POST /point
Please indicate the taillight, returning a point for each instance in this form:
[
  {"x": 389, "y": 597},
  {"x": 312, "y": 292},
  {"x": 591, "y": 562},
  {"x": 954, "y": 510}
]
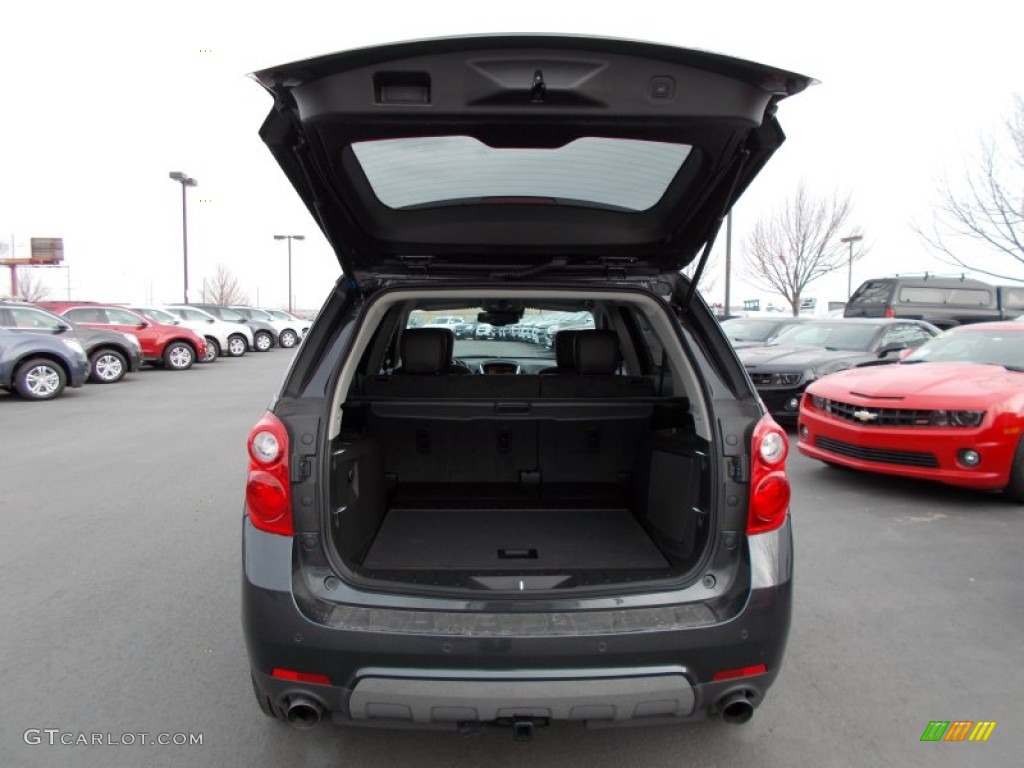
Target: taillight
[
  {"x": 302, "y": 677},
  {"x": 769, "y": 486},
  {"x": 268, "y": 495},
  {"x": 890, "y": 312}
]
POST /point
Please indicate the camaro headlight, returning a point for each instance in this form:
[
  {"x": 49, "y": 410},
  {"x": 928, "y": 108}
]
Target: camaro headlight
[
  {"x": 786, "y": 379},
  {"x": 819, "y": 402},
  {"x": 956, "y": 418}
]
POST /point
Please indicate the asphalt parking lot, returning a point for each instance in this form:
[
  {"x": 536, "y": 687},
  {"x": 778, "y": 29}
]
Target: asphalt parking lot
[{"x": 120, "y": 562}]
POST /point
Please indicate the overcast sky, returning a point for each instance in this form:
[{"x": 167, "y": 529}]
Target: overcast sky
[{"x": 102, "y": 99}]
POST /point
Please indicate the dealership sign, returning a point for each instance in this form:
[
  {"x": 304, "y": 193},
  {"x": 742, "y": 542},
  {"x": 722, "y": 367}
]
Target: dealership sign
[{"x": 28, "y": 251}]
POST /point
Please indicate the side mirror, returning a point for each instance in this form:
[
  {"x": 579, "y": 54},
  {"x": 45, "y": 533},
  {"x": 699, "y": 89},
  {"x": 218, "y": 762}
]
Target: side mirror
[
  {"x": 210, "y": 320},
  {"x": 143, "y": 324},
  {"x": 61, "y": 328},
  {"x": 890, "y": 348}
]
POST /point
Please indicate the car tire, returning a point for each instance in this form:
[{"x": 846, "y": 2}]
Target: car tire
[
  {"x": 237, "y": 346},
  {"x": 107, "y": 366},
  {"x": 212, "y": 350},
  {"x": 289, "y": 338},
  {"x": 39, "y": 379},
  {"x": 264, "y": 341},
  {"x": 1014, "y": 491},
  {"x": 179, "y": 356}
]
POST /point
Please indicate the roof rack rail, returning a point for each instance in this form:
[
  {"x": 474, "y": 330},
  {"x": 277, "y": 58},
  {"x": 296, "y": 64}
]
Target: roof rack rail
[{"x": 928, "y": 275}]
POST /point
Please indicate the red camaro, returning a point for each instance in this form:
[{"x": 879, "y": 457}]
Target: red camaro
[{"x": 952, "y": 411}]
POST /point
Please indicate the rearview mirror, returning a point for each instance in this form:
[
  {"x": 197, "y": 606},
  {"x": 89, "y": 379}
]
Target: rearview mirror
[{"x": 498, "y": 318}]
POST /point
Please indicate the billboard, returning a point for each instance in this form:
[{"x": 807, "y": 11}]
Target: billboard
[{"x": 28, "y": 251}]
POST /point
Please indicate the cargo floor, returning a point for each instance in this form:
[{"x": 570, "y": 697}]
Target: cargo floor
[{"x": 512, "y": 540}]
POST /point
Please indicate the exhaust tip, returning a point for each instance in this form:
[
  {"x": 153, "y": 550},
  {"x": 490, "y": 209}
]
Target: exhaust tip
[
  {"x": 303, "y": 713},
  {"x": 736, "y": 709}
]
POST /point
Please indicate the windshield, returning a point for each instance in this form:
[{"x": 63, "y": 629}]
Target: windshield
[
  {"x": 842, "y": 335},
  {"x": 749, "y": 329},
  {"x": 160, "y": 316},
  {"x": 259, "y": 314},
  {"x": 532, "y": 337},
  {"x": 279, "y": 314},
  {"x": 231, "y": 316},
  {"x": 1004, "y": 348}
]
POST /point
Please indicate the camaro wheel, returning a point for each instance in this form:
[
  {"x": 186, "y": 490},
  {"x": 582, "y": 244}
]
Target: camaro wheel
[
  {"x": 179, "y": 356},
  {"x": 212, "y": 350},
  {"x": 288, "y": 338},
  {"x": 1015, "y": 489},
  {"x": 107, "y": 366},
  {"x": 264, "y": 341},
  {"x": 39, "y": 379},
  {"x": 237, "y": 346}
]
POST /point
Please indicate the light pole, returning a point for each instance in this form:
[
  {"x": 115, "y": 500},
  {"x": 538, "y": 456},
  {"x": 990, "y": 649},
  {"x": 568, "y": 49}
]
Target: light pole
[
  {"x": 289, "y": 238},
  {"x": 849, "y": 272},
  {"x": 186, "y": 181}
]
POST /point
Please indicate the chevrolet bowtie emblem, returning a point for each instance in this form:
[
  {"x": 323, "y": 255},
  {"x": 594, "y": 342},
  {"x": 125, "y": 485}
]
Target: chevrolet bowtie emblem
[{"x": 865, "y": 416}]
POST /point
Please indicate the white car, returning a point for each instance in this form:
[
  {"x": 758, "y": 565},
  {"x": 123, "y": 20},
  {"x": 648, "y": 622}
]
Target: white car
[
  {"x": 292, "y": 323},
  {"x": 288, "y": 331},
  {"x": 222, "y": 338}
]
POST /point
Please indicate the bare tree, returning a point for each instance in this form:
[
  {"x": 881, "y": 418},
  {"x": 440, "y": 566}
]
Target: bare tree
[
  {"x": 30, "y": 286},
  {"x": 988, "y": 208},
  {"x": 798, "y": 244},
  {"x": 223, "y": 288}
]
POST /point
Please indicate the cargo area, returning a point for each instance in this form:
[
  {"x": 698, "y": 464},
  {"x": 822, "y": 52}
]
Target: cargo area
[{"x": 474, "y": 481}]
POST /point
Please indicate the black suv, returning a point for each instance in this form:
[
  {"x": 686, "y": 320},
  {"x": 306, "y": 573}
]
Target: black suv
[
  {"x": 449, "y": 533},
  {"x": 945, "y": 302}
]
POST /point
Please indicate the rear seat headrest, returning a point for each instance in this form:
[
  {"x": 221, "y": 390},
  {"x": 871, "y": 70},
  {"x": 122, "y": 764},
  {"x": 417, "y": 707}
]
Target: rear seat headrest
[
  {"x": 425, "y": 350},
  {"x": 596, "y": 352},
  {"x": 565, "y": 354}
]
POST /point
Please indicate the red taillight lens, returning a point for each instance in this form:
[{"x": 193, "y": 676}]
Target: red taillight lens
[
  {"x": 268, "y": 495},
  {"x": 890, "y": 312},
  {"x": 732, "y": 674},
  {"x": 769, "y": 486},
  {"x": 302, "y": 677}
]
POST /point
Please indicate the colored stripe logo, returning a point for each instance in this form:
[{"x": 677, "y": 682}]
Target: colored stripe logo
[{"x": 958, "y": 730}]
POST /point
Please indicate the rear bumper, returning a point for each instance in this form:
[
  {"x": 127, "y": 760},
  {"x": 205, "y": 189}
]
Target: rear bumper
[{"x": 401, "y": 668}]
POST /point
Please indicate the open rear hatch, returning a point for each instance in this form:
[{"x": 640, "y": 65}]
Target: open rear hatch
[{"x": 491, "y": 154}]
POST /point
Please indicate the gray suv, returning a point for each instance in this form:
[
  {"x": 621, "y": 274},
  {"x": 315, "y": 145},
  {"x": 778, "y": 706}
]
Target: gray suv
[{"x": 452, "y": 534}]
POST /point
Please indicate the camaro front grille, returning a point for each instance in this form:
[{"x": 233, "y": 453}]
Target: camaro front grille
[
  {"x": 878, "y": 455},
  {"x": 878, "y": 417}
]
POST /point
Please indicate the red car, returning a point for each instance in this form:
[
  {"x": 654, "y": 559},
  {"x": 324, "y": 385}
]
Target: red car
[
  {"x": 171, "y": 346},
  {"x": 952, "y": 411}
]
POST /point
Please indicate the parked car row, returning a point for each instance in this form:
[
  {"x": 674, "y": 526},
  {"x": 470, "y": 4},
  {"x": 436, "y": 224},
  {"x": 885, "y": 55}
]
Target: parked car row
[
  {"x": 48, "y": 346},
  {"x": 896, "y": 396},
  {"x": 542, "y": 329}
]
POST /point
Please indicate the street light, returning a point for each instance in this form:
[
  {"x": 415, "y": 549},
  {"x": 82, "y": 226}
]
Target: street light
[
  {"x": 186, "y": 181},
  {"x": 849, "y": 273},
  {"x": 289, "y": 238}
]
